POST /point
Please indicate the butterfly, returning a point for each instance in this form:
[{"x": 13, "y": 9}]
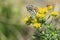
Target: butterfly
[{"x": 32, "y": 10}]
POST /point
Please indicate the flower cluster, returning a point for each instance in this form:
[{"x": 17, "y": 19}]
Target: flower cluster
[{"x": 40, "y": 16}]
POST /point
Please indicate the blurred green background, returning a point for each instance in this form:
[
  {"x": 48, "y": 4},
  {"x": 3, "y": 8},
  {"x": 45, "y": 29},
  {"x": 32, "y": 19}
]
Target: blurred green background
[{"x": 12, "y": 13}]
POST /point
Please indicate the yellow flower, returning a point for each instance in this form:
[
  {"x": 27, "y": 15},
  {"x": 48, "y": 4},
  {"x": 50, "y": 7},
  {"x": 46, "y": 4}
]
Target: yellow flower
[
  {"x": 41, "y": 16},
  {"x": 42, "y": 10},
  {"x": 34, "y": 20},
  {"x": 49, "y": 7},
  {"x": 54, "y": 14},
  {"x": 37, "y": 25},
  {"x": 26, "y": 19},
  {"x": 45, "y": 10}
]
